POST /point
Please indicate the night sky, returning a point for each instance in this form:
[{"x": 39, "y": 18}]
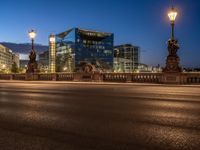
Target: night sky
[{"x": 140, "y": 22}]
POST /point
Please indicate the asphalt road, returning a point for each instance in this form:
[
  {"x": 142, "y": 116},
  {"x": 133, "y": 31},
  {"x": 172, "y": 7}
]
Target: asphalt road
[{"x": 66, "y": 116}]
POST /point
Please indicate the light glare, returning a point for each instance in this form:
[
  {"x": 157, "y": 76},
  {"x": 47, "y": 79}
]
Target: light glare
[
  {"x": 32, "y": 34},
  {"x": 172, "y": 15}
]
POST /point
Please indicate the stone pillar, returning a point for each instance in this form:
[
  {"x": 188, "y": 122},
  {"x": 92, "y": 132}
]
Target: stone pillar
[
  {"x": 129, "y": 78},
  {"x": 97, "y": 77},
  {"x": 28, "y": 76},
  {"x": 54, "y": 77},
  {"x": 77, "y": 76},
  {"x": 171, "y": 78},
  {"x": 172, "y": 71}
]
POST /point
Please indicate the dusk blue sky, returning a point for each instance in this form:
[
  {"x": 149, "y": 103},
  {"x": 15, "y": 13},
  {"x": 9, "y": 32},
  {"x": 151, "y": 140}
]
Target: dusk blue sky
[{"x": 139, "y": 22}]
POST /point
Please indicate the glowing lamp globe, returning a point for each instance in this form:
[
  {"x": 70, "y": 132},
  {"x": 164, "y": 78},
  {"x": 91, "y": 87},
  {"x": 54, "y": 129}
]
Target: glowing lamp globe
[
  {"x": 172, "y": 14},
  {"x": 32, "y": 34}
]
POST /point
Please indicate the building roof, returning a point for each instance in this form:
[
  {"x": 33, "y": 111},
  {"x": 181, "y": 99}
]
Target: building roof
[
  {"x": 85, "y": 32},
  {"x": 95, "y": 32},
  {"x": 125, "y": 45}
]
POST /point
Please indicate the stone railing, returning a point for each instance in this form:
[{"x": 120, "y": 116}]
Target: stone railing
[
  {"x": 6, "y": 76},
  {"x": 158, "y": 78},
  {"x": 190, "y": 78},
  {"x": 65, "y": 76},
  {"x": 39, "y": 77},
  {"x": 147, "y": 77},
  {"x": 133, "y": 77},
  {"x": 18, "y": 76},
  {"x": 116, "y": 77}
]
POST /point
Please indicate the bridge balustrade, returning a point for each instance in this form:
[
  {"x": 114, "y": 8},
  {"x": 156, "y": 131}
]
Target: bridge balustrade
[
  {"x": 114, "y": 77},
  {"x": 65, "y": 76},
  {"x": 18, "y": 76},
  {"x": 185, "y": 78},
  {"x": 147, "y": 77},
  {"x": 191, "y": 78},
  {"x": 44, "y": 77}
]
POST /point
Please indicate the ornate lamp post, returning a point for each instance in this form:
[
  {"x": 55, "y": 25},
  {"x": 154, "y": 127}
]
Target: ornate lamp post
[
  {"x": 32, "y": 35},
  {"x": 32, "y": 65},
  {"x": 172, "y": 62},
  {"x": 172, "y": 17}
]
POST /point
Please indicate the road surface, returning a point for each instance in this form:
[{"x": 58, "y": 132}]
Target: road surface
[{"x": 90, "y": 116}]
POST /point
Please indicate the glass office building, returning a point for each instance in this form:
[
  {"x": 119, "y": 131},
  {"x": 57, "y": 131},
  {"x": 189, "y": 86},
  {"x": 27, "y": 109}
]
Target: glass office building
[
  {"x": 77, "y": 46},
  {"x": 126, "y": 58}
]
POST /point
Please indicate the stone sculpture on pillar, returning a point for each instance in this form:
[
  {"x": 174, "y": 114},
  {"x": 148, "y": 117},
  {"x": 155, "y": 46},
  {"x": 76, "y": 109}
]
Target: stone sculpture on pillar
[{"x": 172, "y": 62}]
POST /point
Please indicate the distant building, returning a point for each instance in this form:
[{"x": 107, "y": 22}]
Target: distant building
[
  {"x": 23, "y": 60},
  {"x": 126, "y": 58},
  {"x": 15, "y": 59},
  {"x": 23, "y": 63},
  {"x": 144, "y": 68},
  {"x": 5, "y": 58},
  {"x": 43, "y": 61},
  {"x": 147, "y": 68},
  {"x": 77, "y": 46},
  {"x": 52, "y": 53}
]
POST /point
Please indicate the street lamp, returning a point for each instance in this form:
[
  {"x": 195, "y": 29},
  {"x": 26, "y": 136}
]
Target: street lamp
[
  {"x": 172, "y": 17},
  {"x": 32, "y": 64},
  {"x": 172, "y": 62},
  {"x": 32, "y": 35}
]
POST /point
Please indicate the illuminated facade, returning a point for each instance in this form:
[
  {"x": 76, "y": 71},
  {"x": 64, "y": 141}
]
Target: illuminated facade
[
  {"x": 52, "y": 53},
  {"x": 43, "y": 62},
  {"x": 5, "y": 58},
  {"x": 15, "y": 59},
  {"x": 126, "y": 58},
  {"x": 77, "y": 46}
]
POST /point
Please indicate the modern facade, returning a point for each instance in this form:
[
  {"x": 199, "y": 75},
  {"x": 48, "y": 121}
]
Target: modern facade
[
  {"x": 44, "y": 58},
  {"x": 126, "y": 58},
  {"x": 15, "y": 59},
  {"x": 24, "y": 59},
  {"x": 77, "y": 46},
  {"x": 43, "y": 62},
  {"x": 5, "y": 58}
]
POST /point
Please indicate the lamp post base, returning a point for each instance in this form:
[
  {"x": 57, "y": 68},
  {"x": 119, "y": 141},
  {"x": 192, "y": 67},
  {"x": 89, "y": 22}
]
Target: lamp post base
[
  {"x": 171, "y": 78},
  {"x": 32, "y": 68},
  {"x": 172, "y": 71},
  {"x": 172, "y": 62}
]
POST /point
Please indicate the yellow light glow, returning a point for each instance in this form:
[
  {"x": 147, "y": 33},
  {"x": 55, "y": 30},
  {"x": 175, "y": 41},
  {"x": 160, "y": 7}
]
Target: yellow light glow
[
  {"x": 65, "y": 68},
  {"x": 32, "y": 34},
  {"x": 172, "y": 15},
  {"x": 52, "y": 53},
  {"x": 52, "y": 39},
  {"x": 3, "y": 66}
]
